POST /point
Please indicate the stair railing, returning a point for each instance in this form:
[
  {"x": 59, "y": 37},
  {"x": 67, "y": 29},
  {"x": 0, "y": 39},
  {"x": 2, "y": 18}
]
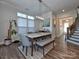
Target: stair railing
[{"x": 71, "y": 29}]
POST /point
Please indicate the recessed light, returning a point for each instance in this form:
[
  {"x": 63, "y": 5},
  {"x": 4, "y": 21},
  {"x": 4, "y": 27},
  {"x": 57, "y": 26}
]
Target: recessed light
[
  {"x": 67, "y": 20},
  {"x": 63, "y": 10}
]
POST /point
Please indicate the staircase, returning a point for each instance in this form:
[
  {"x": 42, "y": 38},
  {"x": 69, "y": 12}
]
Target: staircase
[
  {"x": 74, "y": 38},
  {"x": 73, "y": 32}
]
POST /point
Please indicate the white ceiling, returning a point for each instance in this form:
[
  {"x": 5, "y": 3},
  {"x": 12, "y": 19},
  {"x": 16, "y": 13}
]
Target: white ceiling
[{"x": 35, "y": 8}]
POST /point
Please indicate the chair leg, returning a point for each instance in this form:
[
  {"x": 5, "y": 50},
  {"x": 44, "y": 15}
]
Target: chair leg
[
  {"x": 22, "y": 48},
  {"x": 53, "y": 44},
  {"x": 35, "y": 47},
  {"x": 26, "y": 50},
  {"x": 43, "y": 51}
]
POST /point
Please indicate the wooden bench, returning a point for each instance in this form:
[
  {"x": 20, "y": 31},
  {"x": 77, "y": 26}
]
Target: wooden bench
[{"x": 44, "y": 43}]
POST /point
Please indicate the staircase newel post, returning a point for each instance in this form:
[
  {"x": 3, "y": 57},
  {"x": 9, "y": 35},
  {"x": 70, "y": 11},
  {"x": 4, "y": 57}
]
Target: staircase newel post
[{"x": 68, "y": 32}]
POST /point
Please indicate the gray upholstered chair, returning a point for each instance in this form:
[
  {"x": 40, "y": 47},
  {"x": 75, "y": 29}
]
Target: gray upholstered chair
[{"x": 25, "y": 42}]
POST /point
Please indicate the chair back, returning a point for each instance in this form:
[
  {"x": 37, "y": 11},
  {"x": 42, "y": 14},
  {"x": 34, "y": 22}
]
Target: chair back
[{"x": 24, "y": 40}]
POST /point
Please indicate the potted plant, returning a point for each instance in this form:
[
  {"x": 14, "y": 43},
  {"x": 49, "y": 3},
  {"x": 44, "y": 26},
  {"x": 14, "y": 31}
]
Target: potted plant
[{"x": 11, "y": 33}]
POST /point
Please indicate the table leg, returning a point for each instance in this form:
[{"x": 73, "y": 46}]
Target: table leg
[{"x": 32, "y": 48}]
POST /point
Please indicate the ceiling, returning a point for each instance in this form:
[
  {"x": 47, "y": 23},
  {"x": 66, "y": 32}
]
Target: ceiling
[{"x": 33, "y": 7}]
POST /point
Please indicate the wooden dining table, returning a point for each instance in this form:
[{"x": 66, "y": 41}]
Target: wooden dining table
[{"x": 35, "y": 36}]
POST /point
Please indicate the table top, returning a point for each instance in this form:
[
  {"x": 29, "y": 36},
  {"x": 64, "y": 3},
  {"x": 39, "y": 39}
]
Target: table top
[{"x": 35, "y": 35}]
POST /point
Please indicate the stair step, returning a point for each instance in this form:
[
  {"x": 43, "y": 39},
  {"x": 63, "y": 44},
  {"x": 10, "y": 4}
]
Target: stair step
[
  {"x": 70, "y": 41},
  {"x": 77, "y": 27},
  {"x": 76, "y": 31},
  {"x": 74, "y": 39},
  {"x": 75, "y": 36}
]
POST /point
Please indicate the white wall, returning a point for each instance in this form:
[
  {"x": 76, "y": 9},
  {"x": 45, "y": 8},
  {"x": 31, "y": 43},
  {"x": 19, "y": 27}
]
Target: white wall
[{"x": 6, "y": 12}]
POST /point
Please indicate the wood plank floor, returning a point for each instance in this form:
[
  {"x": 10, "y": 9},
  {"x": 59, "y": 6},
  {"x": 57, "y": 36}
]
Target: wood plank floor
[
  {"x": 62, "y": 50},
  {"x": 10, "y": 52}
]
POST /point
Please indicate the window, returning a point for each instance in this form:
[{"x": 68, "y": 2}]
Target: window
[
  {"x": 31, "y": 17},
  {"x": 21, "y": 22},
  {"x": 30, "y": 23},
  {"x": 25, "y": 23},
  {"x": 21, "y": 15}
]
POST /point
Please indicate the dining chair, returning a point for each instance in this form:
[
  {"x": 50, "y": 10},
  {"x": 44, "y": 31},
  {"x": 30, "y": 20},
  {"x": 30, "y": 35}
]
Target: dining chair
[{"x": 25, "y": 42}]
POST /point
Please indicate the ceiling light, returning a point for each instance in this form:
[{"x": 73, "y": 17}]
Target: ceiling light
[
  {"x": 67, "y": 20},
  {"x": 63, "y": 10}
]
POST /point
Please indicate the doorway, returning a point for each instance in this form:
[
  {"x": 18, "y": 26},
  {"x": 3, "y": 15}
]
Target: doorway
[{"x": 66, "y": 24}]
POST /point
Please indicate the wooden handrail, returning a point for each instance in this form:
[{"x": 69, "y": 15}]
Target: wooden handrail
[{"x": 72, "y": 28}]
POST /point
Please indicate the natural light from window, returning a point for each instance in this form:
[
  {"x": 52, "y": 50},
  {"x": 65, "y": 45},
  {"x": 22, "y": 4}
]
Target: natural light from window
[
  {"x": 31, "y": 17},
  {"x": 21, "y": 15},
  {"x": 25, "y": 23}
]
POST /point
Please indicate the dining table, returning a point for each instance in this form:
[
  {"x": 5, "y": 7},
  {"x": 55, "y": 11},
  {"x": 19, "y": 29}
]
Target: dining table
[{"x": 35, "y": 36}]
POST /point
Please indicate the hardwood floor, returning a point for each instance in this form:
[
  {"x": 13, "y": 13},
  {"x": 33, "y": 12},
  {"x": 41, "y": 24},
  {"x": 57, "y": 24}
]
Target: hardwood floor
[
  {"x": 10, "y": 52},
  {"x": 62, "y": 50}
]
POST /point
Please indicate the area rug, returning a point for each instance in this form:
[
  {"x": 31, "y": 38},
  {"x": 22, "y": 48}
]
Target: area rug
[{"x": 37, "y": 54}]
